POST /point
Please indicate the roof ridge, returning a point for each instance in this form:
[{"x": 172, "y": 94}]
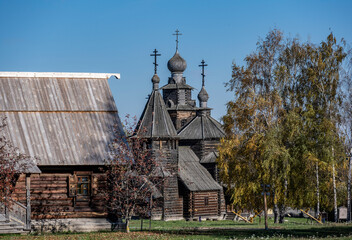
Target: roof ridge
[
  {"x": 212, "y": 121},
  {"x": 141, "y": 120},
  {"x": 153, "y": 114},
  {"x": 185, "y": 126},
  {"x": 156, "y": 118},
  {"x": 59, "y": 75},
  {"x": 164, "y": 110}
]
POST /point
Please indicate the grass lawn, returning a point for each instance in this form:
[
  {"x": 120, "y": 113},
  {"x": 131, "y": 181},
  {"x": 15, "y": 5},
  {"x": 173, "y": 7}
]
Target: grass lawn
[{"x": 293, "y": 228}]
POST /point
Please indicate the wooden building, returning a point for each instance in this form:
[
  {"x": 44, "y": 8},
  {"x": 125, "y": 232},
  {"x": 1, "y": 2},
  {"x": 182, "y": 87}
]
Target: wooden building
[
  {"x": 187, "y": 136},
  {"x": 65, "y": 121}
]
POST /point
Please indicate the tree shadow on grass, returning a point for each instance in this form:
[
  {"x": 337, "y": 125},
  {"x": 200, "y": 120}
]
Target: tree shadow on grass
[{"x": 321, "y": 232}]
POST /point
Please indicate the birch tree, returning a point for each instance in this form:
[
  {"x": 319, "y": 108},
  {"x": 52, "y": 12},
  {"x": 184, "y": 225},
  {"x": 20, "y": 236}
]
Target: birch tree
[{"x": 282, "y": 124}]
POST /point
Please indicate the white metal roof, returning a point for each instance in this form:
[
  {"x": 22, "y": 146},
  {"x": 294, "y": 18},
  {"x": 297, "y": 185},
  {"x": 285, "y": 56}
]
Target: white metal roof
[{"x": 59, "y": 75}]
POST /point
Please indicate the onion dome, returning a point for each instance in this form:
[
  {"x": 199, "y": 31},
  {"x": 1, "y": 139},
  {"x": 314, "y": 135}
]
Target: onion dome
[
  {"x": 177, "y": 63},
  {"x": 155, "y": 78},
  {"x": 155, "y": 81},
  {"x": 203, "y": 95}
]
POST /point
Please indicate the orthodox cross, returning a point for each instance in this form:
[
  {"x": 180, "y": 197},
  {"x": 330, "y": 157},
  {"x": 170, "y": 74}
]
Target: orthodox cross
[
  {"x": 155, "y": 54},
  {"x": 203, "y": 75},
  {"x": 177, "y": 34}
]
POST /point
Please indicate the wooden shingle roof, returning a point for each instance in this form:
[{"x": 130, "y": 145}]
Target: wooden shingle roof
[
  {"x": 202, "y": 127},
  {"x": 27, "y": 165},
  {"x": 210, "y": 157},
  {"x": 194, "y": 176},
  {"x": 177, "y": 86},
  {"x": 60, "y": 118},
  {"x": 155, "y": 121}
]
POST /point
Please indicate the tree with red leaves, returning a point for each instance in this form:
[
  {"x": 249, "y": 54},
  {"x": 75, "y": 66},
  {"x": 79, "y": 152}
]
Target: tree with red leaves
[
  {"x": 11, "y": 162},
  {"x": 132, "y": 173}
]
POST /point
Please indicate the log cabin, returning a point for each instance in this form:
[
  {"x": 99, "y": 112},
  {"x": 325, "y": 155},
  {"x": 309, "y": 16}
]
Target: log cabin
[{"x": 65, "y": 121}]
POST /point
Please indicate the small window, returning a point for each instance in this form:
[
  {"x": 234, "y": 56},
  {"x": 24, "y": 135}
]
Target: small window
[
  {"x": 183, "y": 122},
  {"x": 206, "y": 201},
  {"x": 83, "y": 185}
]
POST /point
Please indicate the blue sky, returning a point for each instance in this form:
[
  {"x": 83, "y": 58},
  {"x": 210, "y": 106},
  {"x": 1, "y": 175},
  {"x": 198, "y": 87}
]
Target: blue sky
[{"x": 118, "y": 36}]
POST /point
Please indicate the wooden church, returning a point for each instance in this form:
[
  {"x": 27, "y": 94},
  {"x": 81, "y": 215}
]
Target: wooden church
[
  {"x": 188, "y": 137},
  {"x": 67, "y": 120}
]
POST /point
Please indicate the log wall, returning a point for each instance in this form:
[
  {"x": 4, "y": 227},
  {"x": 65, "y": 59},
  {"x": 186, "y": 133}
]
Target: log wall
[
  {"x": 204, "y": 147},
  {"x": 202, "y": 207},
  {"x": 167, "y": 153},
  {"x": 50, "y": 196}
]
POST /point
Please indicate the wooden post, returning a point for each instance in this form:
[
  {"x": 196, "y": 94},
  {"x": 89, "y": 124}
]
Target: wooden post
[
  {"x": 191, "y": 205},
  {"x": 28, "y": 201}
]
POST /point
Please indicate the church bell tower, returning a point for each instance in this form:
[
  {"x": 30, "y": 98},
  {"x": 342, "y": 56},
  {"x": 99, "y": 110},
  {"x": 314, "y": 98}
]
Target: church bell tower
[{"x": 177, "y": 94}]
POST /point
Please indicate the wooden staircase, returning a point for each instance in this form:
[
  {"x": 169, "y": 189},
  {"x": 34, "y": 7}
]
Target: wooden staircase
[
  {"x": 11, "y": 226},
  {"x": 14, "y": 219}
]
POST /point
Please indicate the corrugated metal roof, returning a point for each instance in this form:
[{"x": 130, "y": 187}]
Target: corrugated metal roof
[
  {"x": 59, "y": 75},
  {"x": 155, "y": 121},
  {"x": 202, "y": 127},
  {"x": 55, "y": 94},
  {"x": 193, "y": 174},
  {"x": 61, "y": 121}
]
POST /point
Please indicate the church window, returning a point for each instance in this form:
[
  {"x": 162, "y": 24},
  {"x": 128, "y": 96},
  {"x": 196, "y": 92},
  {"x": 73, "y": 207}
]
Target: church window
[
  {"x": 183, "y": 122},
  {"x": 206, "y": 201}
]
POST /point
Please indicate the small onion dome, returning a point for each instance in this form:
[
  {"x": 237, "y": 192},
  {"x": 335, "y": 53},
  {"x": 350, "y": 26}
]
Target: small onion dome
[
  {"x": 177, "y": 63},
  {"x": 155, "y": 78},
  {"x": 203, "y": 95},
  {"x": 155, "y": 81}
]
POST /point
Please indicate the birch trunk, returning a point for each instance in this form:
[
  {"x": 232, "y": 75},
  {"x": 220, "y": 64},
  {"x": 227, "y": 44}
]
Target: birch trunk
[
  {"x": 349, "y": 189},
  {"x": 276, "y": 208},
  {"x": 282, "y": 213},
  {"x": 318, "y": 190},
  {"x": 335, "y": 194},
  {"x": 282, "y": 209},
  {"x": 276, "y": 213},
  {"x": 334, "y": 184},
  {"x": 127, "y": 228}
]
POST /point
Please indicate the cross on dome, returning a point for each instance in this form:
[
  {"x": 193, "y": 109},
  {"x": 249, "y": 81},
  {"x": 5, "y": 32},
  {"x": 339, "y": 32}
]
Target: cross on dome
[
  {"x": 177, "y": 34},
  {"x": 155, "y": 55},
  {"x": 203, "y": 75}
]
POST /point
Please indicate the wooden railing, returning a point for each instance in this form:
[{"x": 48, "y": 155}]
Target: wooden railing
[
  {"x": 18, "y": 211},
  {"x": 15, "y": 211}
]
